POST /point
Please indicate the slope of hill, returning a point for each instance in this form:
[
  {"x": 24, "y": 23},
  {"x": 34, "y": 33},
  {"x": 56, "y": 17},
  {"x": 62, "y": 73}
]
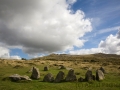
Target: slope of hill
[{"x": 90, "y": 57}]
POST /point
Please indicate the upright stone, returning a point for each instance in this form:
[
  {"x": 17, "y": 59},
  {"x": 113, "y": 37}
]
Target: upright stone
[
  {"x": 88, "y": 76},
  {"x": 99, "y": 75},
  {"x": 35, "y": 73},
  {"x": 59, "y": 77},
  {"x": 48, "y": 78},
  {"x": 71, "y": 76}
]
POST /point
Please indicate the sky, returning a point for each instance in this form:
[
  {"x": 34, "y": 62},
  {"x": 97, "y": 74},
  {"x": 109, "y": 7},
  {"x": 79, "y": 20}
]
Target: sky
[{"x": 34, "y": 28}]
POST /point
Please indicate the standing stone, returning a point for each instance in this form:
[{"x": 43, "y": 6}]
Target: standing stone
[
  {"x": 48, "y": 78},
  {"x": 71, "y": 76},
  {"x": 88, "y": 76},
  {"x": 80, "y": 79},
  {"x": 102, "y": 69},
  {"x": 99, "y": 75},
  {"x": 35, "y": 73},
  {"x": 59, "y": 77},
  {"x": 46, "y": 68}
]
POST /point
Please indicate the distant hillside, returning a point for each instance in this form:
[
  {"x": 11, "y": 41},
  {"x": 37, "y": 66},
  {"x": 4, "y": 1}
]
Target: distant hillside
[{"x": 67, "y": 57}]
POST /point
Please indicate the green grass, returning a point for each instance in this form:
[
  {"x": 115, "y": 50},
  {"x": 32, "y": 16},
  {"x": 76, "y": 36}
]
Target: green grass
[{"x": 111, "y": 82}]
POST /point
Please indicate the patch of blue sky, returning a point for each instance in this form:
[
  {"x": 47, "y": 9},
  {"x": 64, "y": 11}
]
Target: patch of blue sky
[{"x": 18, "y": 52}]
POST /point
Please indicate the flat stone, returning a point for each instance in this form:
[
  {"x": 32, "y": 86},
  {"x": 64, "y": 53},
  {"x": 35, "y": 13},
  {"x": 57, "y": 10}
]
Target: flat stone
[
  {"x": 17, "y": 77},
  {"x": 25, "y": 77}
]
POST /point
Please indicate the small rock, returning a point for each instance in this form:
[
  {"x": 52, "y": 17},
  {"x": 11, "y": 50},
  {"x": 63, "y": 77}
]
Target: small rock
[
  {"x": 81, "y": 79},
  {"x": 59, "y": 77},
  {"x": 62, "y": 67},
  {"x": 35, "y": 73},
  {"x": 48, "y": 78},
  {"x": 71, "y": 76},
  {"x": 99, "y": 75},
  {"x": 46, "y": 68}
]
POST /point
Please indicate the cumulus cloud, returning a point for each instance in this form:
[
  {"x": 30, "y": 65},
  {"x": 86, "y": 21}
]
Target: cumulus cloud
[
  {"x": 111, "y": 45},
  {"x": 40, "y": 26},
  {"x": 5, "y": 54},
  {"x": 3, "y": 51}
]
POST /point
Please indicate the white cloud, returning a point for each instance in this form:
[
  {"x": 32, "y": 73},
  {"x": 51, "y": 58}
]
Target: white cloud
[
  {"x": 15, "y": 57},
  {"x": 108, "y": 30},
  {"x": 40, "y": 26},
  {"x": 86, "y": 51},
  {"x": 4, "y": 51},
  {"x": 5, "y": 54},
  {"x": 110, "y": 46}
]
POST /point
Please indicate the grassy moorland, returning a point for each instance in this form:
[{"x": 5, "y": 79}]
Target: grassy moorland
[{"x": 80, "y": 64}]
